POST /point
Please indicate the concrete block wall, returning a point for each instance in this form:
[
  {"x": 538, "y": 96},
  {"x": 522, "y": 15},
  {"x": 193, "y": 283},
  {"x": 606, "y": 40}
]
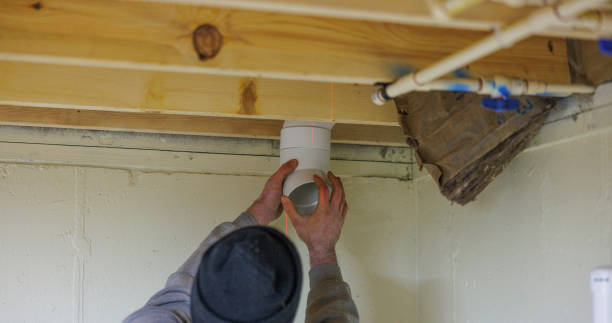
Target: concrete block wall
[
  {"x": 92, "y": 224},
  {"x": 524, "y": 250}
]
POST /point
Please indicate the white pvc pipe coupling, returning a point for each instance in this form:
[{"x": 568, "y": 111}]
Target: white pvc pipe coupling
[
  {"x": 601, "y": 288},
  {"x": 496, "y": 87},
  {"x": 309, "y": 143}
]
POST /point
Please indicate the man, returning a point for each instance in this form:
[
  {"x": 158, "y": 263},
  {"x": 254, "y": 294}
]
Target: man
[{"x": 245, "y": 271}]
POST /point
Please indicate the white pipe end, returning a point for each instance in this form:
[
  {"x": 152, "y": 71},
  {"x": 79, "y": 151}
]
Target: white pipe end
[
  {"x": 378, "y": 97},
  {"x": 302, "y": 190}
]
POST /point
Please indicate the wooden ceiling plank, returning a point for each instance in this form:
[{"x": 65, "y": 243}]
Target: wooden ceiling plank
[
  {"x": 57, "y": 86},
  {"x": 158, "y": 36},
  {"x": 189, "y": 125},
  {"x": 485, "y": 15}
]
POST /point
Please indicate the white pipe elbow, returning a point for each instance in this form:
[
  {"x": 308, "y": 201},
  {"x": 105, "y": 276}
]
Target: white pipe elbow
[{"x": 309, "y": 143}]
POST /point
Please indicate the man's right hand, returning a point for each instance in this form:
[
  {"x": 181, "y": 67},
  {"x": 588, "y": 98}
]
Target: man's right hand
[{"x": 321, "y": 230}]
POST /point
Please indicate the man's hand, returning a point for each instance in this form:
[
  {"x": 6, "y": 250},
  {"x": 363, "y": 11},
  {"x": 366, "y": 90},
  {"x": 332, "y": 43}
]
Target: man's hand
[
  {"x": 321, "y": 230},
  {"x": 267, "y": 206}
]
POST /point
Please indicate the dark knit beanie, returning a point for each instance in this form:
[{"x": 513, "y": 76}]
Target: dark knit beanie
[{"x": 253, "y": 274}]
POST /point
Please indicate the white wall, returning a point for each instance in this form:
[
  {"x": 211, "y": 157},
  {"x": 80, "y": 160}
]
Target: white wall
[
  {"x": 91, "y": 228},
  {"x": 523, "y": 251}
]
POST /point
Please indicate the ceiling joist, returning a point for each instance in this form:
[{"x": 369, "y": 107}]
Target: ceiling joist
[
  {"x": 473, "y": 15},
  {"x": 93, "y": 88},
  {"x": 133, "y": 64},
  {"x": 159, "y": 36},
  {"x": 187, "y": 124}
]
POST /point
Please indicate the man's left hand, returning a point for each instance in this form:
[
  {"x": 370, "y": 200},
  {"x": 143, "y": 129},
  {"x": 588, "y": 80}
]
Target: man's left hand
[{"x": 267, "y": 207}]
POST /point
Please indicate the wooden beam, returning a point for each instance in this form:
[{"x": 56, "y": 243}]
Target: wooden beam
[
  {"x": 111, "y": 99},
  {"x": 56, "y": 86},
  {"x": 395, "y": 11},
  {"x": 158, "y": 36},
  {"x": 485, "y": 15},
  {"x": 189, "y": 125}
]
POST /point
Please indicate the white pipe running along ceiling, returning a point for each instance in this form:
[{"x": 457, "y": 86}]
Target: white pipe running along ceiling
[{"x": 562, "y": 13}]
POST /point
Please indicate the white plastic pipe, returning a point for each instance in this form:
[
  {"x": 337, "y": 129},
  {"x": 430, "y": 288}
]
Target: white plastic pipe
[
  {"x": 452, "y": 84},
  {"x": 535, "y": 22},
  {"x": 522, "y": 3},
  {"x": 598, "y": 22},
  {"x": 309, "y": 143},
  {"x": 601, "y": 289},
  {"x": 500, "y": 86},
  {"x": 453, "y": 7}
]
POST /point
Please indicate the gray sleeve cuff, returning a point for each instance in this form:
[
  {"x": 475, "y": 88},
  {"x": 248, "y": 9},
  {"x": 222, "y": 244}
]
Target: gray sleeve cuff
[
  {"x": 323, "y": 272},
  {"x": 245, "y": 219}
]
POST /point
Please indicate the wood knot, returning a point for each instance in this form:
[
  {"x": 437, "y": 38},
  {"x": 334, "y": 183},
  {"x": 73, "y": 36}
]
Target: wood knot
[
  {"x": 37, "y": 6},
  {"x": 207, "y": 41},
  {"x": 550, "y": 46},
  {"x": 248, "y": 97}
]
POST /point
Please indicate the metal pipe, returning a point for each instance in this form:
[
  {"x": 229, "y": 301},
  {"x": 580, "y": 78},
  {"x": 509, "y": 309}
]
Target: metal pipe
[{"x": 536, "y": 22}]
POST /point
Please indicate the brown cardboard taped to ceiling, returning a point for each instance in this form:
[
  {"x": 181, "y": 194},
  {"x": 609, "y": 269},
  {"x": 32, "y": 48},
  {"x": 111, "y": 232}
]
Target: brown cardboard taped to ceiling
[
  {"x": 587, "y": 64},
  {"x": 463, "y": 146}
]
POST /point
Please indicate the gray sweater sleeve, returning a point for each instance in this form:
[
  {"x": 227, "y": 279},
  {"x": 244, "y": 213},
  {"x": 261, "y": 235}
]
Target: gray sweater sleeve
[
  {"x": 330, "y": 298},
  {"x": 172, "y": 303}
]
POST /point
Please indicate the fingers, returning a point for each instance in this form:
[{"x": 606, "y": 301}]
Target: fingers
[
  {"x": 337, "y": 198},
  {"x": 344, "y": 209},
  {"x": 341, "y": 184},
  {"x": 296, "y": 219},
  {"x": 323, "y": 191},
  {"x": 285, "y": 170}
]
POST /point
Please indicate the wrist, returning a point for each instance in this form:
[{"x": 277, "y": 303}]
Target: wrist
[
  {"x": 319, "y": 256},
  {"x": 259, "y": 211}
]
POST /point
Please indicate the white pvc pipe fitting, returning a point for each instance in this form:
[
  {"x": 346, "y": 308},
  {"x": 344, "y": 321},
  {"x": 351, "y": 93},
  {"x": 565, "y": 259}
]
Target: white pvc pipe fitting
[
  {"x": 537, "y": 21},
  {"x": 601, "y": 288},
  {"x": 309, "y": 143}
]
